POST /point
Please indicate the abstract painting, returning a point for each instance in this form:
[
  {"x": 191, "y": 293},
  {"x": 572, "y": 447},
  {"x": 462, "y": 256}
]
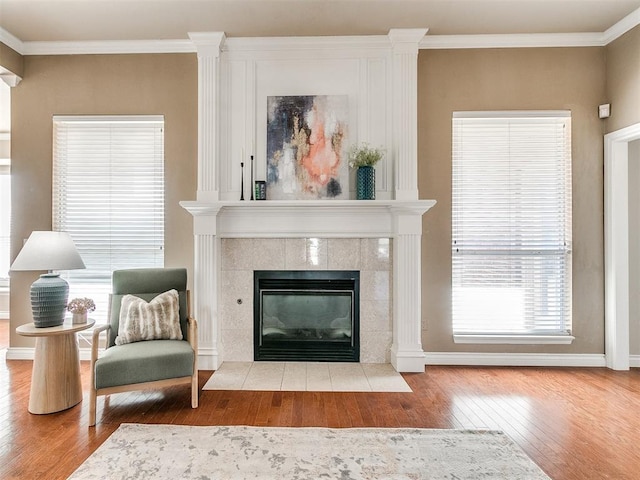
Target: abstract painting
[{"x": 306, "y": 138}]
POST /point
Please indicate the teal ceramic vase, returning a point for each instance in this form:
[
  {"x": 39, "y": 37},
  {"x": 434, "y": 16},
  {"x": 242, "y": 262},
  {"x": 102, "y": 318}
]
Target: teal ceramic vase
[{"x": 366, "y": 183}]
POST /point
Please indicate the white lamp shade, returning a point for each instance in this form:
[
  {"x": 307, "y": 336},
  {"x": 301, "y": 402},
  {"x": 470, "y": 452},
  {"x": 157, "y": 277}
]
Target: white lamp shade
[{"x": 48, "y": 251}]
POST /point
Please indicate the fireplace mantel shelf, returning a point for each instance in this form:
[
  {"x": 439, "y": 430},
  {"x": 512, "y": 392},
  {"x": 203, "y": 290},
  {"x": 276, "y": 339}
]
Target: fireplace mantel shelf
[
  {"x": 212, "y": 208},
  {"x": 302, "y": 218}
]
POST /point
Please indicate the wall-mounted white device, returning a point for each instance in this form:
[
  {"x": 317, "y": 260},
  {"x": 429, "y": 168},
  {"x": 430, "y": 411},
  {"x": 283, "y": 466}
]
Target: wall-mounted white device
[{"x": 604, "y": 110}]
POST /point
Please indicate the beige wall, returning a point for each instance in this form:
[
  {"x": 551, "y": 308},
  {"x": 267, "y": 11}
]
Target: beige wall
[
  {"x": 623, "y": 80},
  {"x": 92, "y": 85},
  {"x": 513, "y": 79},
  {"x": 11, "y": 60},
  {"x": 449, "y": 80}
]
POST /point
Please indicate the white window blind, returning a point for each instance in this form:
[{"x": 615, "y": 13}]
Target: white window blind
[
  {"x": 511, "y": 223},
  {"x": 108, "y": 194}
]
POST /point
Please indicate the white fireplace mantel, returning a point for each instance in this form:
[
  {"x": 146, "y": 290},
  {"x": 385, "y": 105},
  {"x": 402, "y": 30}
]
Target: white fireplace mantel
[
  {"x": 322, "y": 218},
  {"x": 400, "y": 220},
  {"x": 379, "y": 75}
]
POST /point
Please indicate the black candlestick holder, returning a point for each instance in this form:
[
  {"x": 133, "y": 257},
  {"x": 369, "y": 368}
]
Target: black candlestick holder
[
  {"x": 252, "y": 187},
  {"x": 242, "y": 181}
]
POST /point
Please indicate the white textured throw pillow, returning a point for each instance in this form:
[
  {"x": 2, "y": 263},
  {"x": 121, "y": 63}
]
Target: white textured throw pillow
[{"x": 158, "y": 319}]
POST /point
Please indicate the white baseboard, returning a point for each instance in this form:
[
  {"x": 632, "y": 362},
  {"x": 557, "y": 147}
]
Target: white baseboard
[
  {"x": 28, "y": 353},
  {"x": 19, "y": 353},
  {"x": 634, "y": 361},
  {"x": 516, "y": 359},
  {"x": 4, "y": 315},
  {"x": 207, "y": 361}
]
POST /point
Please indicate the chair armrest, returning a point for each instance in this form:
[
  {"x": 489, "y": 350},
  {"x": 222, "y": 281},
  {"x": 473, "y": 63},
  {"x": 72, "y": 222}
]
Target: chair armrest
[
  {"x": 193, "y": 332},
  {"x": 95, "y": 340}
]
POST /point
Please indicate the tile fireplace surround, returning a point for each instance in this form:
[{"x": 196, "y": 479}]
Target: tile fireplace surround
[
  {"x": 380, "y": 238},
  {"x": 240, "y": 257}
]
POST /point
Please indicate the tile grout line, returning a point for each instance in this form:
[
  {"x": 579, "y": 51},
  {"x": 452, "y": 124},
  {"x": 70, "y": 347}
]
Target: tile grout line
[{"x": 246, "y": 375}]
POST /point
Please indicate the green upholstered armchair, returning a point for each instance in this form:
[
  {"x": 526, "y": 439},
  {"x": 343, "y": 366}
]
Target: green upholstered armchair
[{"x": 149, "y": 363}]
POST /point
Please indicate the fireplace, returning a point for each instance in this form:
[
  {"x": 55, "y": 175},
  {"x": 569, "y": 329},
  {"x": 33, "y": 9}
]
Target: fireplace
[
  {"x": 307, "y": 315},
  {"x": 235, "y": 77}
]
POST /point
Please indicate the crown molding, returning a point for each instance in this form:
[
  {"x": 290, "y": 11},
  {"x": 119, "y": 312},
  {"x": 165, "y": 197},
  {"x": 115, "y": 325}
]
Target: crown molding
[
  {"x": 9, "y": 78},
  {"x": 407, "y": 35},
  {"x": 623, "y": 26},
  {"x": 529, "y": 40},
  {"x": 302, "y": 43},
  {"x": 588, "y": 39},
  {"x": 11, "y": 41},
  {"x": 108, "y": 47},
  {"x": 208, "y": 43},
  {"x": 238, "y": 44}
]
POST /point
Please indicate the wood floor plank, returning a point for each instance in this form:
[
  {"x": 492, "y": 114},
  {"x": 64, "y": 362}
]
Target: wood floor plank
[
  {"x": 4, "y": 333},
  {"x": 285, "y": 412},
  {"x": 262, "y": 410},
  {"x": 577, "y": 424},
  {"x": 339, "y": 415}
]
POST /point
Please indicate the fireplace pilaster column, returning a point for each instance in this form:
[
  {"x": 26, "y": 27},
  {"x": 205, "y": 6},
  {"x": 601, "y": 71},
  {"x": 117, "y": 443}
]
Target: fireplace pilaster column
[
  {"x": 405, "y": 43},
  {"x": 406, "y": 350},
  {"x": 206, "y": 288},
  {"x": 206, "y": 301},
  {"x": 208, "y": 46}
]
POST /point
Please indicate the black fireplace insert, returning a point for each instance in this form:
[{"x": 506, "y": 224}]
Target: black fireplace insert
[{"x": 309, "y": 315}]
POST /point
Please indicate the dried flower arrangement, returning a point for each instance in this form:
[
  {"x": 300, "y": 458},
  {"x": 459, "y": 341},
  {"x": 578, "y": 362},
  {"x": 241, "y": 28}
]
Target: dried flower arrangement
[
  {"x": 364, "y": 155},
  {"x": 81, "y": 305}
]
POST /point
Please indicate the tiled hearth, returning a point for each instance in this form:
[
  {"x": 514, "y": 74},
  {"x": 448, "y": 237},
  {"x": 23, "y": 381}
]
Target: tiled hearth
[
  {"x": 307, "y": 377},
  {"x": 371, "y": 256}
]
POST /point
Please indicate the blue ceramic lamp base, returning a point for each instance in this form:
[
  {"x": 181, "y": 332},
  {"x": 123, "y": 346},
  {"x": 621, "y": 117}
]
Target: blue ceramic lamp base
[{"x": 49, "y": 296}]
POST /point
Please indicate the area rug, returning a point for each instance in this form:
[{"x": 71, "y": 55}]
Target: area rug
[{"x": 136, "y": 451}]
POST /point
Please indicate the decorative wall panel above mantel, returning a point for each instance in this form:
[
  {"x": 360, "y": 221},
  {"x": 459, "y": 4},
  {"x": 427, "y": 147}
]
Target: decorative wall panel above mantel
[
  {"x": 377, "y": 75},
  {"x": 249, "y": 81}
]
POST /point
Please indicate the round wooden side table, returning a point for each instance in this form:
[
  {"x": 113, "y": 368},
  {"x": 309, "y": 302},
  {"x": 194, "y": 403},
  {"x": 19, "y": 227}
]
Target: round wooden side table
[{"x": 55, "y": 381}]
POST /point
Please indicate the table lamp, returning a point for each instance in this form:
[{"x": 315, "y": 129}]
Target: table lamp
[{"x": 48, "y": 251}]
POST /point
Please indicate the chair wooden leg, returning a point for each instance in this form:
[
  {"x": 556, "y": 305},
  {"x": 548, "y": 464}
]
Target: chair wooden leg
[
  {"x": 92, "y": 406},
  {"x": 194, "y": 390}
]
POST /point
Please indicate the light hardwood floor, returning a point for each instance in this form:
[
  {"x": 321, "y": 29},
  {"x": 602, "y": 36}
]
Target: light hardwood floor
[
  {"x": 575, "y": 423},
  {"x": 4, "y": 334}
]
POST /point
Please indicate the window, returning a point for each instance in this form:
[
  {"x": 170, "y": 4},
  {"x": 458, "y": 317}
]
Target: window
[
  {"x": 108, "y": 194},
  {"x": 511, "y": 227}
]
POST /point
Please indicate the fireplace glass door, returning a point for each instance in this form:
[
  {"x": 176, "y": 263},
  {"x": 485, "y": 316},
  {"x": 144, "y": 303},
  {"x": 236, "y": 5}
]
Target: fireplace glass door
[{"x": 306, "y": 315}]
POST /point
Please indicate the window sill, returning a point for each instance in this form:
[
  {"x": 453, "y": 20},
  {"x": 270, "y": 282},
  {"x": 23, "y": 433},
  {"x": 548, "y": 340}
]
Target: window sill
[{"x": 515, "y": 339}]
